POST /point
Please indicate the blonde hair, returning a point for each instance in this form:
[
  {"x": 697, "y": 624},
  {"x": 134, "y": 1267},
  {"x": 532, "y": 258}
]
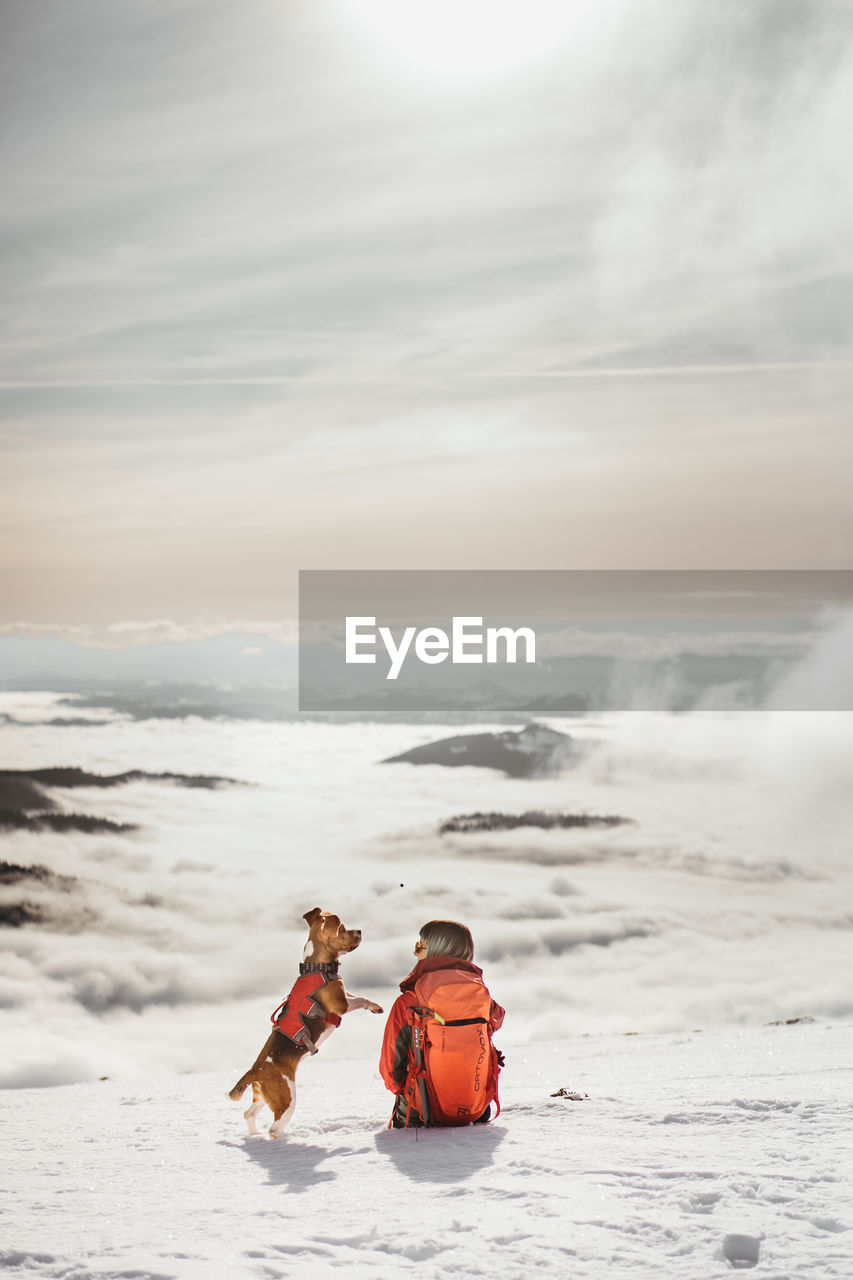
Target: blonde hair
[{"x": 448, "y": 938}]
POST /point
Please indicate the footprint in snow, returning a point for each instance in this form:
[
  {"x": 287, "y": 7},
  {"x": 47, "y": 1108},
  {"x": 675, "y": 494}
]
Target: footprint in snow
[
  {"x": 701, "y": 1202},
  {"x": 741, "y": 1251}
]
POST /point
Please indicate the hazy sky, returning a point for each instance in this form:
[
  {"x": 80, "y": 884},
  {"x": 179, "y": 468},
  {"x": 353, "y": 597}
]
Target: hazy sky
[{"x": 306, "y": 285}]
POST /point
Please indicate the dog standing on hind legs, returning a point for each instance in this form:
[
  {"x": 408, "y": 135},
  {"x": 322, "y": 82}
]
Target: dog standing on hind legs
[{"x": 302, "y": 1022}]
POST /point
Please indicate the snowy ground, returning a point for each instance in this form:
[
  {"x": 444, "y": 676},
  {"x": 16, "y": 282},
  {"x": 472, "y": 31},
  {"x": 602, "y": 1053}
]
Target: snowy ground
[{"x": 685, "y": 1140}]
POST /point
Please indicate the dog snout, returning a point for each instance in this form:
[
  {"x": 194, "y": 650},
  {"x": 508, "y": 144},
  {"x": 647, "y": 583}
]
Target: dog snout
[{"x": 356, "y": 933}]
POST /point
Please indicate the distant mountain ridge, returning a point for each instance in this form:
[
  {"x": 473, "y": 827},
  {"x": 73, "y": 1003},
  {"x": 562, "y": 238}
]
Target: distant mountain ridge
[
  {"x": 227, "y": 661},
  {"x": 249, "y": 676}
]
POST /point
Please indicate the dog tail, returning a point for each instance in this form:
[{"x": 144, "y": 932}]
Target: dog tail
[{"x": 239, "y": 1089}]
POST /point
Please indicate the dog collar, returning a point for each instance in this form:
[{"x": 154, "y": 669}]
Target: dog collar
[{"x": 328, "y": 970}]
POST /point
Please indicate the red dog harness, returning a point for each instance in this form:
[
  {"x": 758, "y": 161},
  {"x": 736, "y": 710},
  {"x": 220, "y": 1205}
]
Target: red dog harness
[{"x": 290, "y": 1016}]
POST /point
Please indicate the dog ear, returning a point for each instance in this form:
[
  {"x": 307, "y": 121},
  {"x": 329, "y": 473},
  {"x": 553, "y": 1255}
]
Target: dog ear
[{"x": 312, "y": 915}]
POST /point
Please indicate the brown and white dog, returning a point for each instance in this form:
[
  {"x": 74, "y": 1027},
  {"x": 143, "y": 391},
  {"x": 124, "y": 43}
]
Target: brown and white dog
[{"x": 272, "y": 1075}]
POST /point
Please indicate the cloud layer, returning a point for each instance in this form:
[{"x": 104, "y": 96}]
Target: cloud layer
[{"x": 722, "y": 902}]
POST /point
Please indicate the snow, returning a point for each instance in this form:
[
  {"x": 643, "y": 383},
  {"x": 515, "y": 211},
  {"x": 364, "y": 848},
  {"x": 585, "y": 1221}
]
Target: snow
[{"x": 686, "y": 1142}]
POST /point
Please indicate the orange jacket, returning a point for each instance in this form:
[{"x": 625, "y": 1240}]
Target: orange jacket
[{"x": 393, "y": 1062}]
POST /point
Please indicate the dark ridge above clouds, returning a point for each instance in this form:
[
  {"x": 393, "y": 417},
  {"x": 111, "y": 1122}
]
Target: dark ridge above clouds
[
  {"x": 14, "y": 914},
  {"x": 171, "y": 702},
  {"x": 524, "y": 753},
  {"x": 532, "y": 818},
  {"x": 13, "y": 872},
  {"x": 19, "y": 793},
  {"x": 70, "y": 776},
  {"x": 13, "y": 819},
  {"x": 25, "y": 805},
  {"x": 55, "y": 722}
]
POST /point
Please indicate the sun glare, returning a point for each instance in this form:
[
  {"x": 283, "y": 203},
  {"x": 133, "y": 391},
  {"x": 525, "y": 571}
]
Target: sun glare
[{"x": 463, "y": 40}]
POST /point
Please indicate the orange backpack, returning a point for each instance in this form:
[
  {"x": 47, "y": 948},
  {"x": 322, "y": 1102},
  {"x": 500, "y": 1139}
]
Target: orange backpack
[{"x": 453, "y": 1066}]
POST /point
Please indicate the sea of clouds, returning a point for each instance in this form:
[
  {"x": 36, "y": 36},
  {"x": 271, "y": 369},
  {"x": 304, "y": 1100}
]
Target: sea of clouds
[{"x": 725, "y": 900}]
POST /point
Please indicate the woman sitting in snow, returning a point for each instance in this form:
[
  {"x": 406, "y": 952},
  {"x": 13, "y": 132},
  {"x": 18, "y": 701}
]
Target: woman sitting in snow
[{"x": 437, "y": 1052}]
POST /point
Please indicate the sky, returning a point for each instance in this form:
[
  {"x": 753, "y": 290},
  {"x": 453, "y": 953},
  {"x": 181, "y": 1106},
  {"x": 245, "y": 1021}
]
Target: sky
[{"x": 320, "y": 286}]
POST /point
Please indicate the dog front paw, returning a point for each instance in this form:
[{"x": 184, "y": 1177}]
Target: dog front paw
[{"x": 375, "y": 1008}]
